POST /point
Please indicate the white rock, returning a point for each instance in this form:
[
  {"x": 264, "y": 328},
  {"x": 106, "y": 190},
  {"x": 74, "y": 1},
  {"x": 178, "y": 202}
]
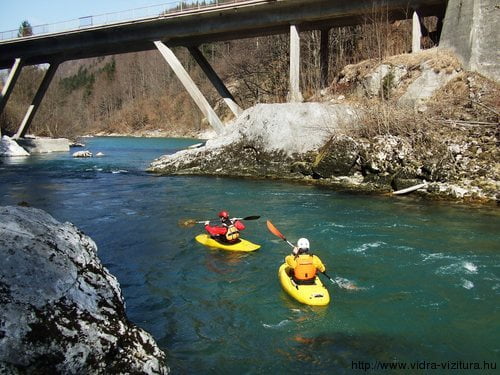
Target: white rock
[
  {"x": 9, "y": 147},
  {"x": 82, "y": 154},
  {"x": 288, "y": 127}
]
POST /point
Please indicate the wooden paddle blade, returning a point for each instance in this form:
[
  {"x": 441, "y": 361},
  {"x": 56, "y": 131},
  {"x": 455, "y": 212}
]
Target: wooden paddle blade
[
  {"x": 274, "y": 230},
  {"x": 187, "y": 223}
]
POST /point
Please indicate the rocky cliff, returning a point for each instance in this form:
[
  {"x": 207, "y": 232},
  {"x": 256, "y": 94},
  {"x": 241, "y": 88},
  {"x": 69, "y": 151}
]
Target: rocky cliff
[
  {"x": 382, "y": 126},
  {"x": 62, "y": 311}
]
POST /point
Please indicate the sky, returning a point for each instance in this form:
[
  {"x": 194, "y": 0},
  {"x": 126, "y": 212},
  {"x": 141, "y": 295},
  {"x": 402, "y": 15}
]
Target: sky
[{"x": 14, "y": 12}]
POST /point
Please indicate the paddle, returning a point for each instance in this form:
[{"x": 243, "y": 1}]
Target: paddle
[
  {"x": 277, "y": 233},
  {"x": 193, "y": 222}
]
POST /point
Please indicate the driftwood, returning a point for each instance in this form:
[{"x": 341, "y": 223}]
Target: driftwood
[
  {"x": 410, "y": 189},
  {"x": 468, "y": 123}
]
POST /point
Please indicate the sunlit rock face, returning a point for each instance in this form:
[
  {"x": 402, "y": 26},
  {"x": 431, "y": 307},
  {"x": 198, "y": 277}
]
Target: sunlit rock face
[
  {"x": 62, "y": 311},
  {"x": 266, "y": 140}
]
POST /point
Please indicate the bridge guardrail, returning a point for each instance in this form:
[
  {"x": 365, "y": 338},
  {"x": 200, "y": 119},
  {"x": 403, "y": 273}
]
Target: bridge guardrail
[{"x": 153, "y": 11}]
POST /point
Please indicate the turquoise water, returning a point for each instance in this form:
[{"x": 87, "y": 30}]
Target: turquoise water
[{"x": 428, "y": 273}]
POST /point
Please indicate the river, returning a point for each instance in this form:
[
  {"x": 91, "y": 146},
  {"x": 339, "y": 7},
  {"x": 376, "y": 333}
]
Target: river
[{"x": 428, "y": 273}]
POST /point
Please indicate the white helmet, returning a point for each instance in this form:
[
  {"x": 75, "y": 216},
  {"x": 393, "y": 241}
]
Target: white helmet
[{"x": 303, "y": 244}]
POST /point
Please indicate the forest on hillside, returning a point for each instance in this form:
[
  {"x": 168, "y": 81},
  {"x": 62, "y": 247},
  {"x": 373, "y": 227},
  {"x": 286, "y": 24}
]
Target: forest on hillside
[{"x": 138, "y": 92}]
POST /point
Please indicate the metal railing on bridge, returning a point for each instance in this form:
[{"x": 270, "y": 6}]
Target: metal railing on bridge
[{"x": 148, "y": 12}]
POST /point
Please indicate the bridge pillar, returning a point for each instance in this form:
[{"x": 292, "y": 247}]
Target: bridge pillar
[
  {"x": 294, "y": 94},
  {"x": 323, "y": 57},
  {"x": 416, "y": 35},
  {"x": 216, "y": 81},
  {"x": 30, "y": 113},
  {"x": 190, "y": 86},
  {"x": 470, "y": 29},
  {"x": 9, "y": 85}
]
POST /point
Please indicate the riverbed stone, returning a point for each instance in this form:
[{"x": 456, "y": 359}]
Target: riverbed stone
[{"x": 62, "y": 311}]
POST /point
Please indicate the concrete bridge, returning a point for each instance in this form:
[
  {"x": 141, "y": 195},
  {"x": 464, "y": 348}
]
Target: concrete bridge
[{"x": 223, "y": 20}]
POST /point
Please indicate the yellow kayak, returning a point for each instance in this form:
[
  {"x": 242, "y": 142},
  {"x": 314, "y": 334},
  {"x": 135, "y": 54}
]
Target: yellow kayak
[
  {"x": 314, "y": 294},
  {"x": 241, "y": 245}
]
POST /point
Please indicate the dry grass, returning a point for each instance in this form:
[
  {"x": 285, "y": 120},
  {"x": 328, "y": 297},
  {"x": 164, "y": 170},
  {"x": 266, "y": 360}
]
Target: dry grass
[
  {"x": 437, "y": 59},
  {"x": 469, "y": 97},
  {"x": 434, "y": 58},
  {"x": 387, "y": 118}
]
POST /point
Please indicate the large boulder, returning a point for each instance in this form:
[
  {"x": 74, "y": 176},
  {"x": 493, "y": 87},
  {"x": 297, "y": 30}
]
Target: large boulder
[
  {"x": 337, "y": 158},
  {"x": 9, "y": 147},
  {"x": 62, "y": 311},
  {"x": 43, "y": 145},
  {"x": 264, "y": 140}
]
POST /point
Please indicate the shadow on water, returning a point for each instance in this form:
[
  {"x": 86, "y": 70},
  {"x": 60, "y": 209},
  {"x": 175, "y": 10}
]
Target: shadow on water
[{"x": 341, "y": 352}]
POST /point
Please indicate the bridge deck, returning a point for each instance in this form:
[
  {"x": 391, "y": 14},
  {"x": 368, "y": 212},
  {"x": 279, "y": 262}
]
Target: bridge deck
[{"x": 233, "y": 21}]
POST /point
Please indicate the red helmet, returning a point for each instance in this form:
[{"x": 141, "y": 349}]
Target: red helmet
[{"x": 224, "y": 214}]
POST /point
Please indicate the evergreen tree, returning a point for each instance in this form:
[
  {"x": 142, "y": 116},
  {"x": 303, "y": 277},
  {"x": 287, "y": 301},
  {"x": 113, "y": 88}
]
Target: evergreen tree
[{"x": 25, "y": 29}]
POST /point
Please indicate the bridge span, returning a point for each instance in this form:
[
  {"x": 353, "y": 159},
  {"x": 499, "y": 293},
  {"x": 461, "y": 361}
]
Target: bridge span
[{"x": 222, "y": 21}]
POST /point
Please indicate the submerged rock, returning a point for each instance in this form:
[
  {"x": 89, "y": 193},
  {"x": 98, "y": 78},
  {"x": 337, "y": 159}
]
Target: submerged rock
[{"x": 62, "y": 311}]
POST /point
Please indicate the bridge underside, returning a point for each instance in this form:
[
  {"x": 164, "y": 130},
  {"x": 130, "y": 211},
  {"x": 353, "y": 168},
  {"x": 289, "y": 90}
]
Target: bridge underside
[{"x": 259, "y": 18}]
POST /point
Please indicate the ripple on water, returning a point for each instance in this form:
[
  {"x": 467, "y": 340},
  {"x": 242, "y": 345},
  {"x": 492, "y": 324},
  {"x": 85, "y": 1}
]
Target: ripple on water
[
  {"x": 278, "y": 325},
  {"x": 467, "y": 284},
  {"x": 366, "y": 246},
  {"x": 460, "y": 267}
]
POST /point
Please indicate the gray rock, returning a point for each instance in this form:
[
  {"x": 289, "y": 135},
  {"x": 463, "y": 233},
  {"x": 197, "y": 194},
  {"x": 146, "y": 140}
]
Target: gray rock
[
  {"x": 337, "y": 158},
  {"x": 424, "y": 87},
  {"x": 41, "y": 145},
  {"x": 62, "y": 311},
  {"x": 383, "y": 79}
]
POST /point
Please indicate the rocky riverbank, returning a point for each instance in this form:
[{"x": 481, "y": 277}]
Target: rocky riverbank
[
  {"x": 380, "y": 127},
  {"x": 62, "y": 311}
]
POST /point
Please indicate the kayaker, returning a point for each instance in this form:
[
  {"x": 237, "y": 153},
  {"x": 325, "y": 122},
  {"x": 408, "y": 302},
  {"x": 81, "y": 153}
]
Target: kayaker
[
  {"x": 304, "y": 264},
  {"x": 228, "y": 231}
]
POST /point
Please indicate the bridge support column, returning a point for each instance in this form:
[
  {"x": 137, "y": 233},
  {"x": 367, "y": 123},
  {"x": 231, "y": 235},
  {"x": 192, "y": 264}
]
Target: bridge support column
[
  {"x": 216, "y": 81},
  {"x": 190, "y": 86},
  {"x": 9, "y": 85},
  {"x": 416, "y": 35},
  {"x": 323, "y": 57},
  {"x": 294, "y": 94},
  {"x": 30, "y": 113}
]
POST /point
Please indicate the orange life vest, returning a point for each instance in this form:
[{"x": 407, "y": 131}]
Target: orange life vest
[
  {"x": 232, "y": 233},
  {"x": 305, "y": 269}
]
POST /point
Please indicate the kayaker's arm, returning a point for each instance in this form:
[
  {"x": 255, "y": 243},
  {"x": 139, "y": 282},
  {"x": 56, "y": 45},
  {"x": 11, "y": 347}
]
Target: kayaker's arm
[
  {"x": 291, "y": 261},
  {"x": 215, "y": 231},
  {"x": 319, "y": 264}
]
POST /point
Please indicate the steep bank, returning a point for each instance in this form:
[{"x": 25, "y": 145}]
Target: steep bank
[
  {"x": 395, "y": 124},
  {"x": 62, "y": 311}
]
